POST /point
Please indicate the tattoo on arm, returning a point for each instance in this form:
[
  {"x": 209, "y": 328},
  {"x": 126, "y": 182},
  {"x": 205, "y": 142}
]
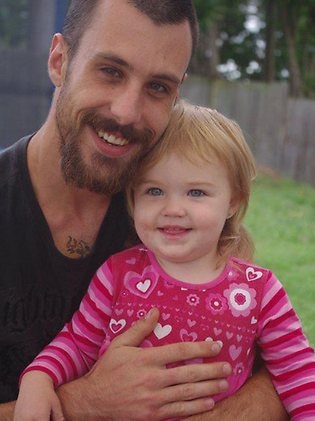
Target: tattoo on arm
[{"x": 78, "y": 247}]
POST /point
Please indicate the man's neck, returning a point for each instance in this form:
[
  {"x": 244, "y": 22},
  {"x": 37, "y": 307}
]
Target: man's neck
[{"x": 74, "y": 215}]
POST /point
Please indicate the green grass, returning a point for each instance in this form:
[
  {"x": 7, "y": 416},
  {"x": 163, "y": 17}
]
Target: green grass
[{"x": 281, "y": 219}]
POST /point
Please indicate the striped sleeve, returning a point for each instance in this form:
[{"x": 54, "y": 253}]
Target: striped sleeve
[
  {"x": 75, "y": 349},
  {"x": 287, "y": 353}
]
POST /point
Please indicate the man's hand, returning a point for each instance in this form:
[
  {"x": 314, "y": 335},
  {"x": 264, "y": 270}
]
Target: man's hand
[
  {"x": 256, "y": 400},
  {"x": 7, "y": 411},
  {"x": 131, "y": 383}
]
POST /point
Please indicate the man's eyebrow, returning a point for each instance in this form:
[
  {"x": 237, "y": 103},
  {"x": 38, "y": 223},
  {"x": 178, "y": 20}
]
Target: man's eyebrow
[
  {"x": 121, "y": 62},
  {"x": 112, "y": 57}
]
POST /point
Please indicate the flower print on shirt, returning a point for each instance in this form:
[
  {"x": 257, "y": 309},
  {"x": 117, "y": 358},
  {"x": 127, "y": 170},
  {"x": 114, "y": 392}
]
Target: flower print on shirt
[
  {"x": 141, "y": 314},
  {"x": 168, "y": 284},
  {"x": 238, "y": 369},
  {"x": 233, "y": 275},
  {"x": 216, "y": 303},
  {"x": 241, "y": 299},
  {"x": 193, "y": 300}
]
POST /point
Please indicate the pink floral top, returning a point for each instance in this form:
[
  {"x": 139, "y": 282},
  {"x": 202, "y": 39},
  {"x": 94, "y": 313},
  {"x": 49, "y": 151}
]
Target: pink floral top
[{"x": 245, "y": 306}]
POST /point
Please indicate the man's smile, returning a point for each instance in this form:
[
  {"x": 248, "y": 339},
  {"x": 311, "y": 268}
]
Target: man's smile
[{"x": 112, "y": 139}]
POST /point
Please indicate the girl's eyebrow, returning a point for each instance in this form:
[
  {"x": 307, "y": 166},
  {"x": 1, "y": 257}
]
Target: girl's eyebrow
[{"x": 148, "y": 181}]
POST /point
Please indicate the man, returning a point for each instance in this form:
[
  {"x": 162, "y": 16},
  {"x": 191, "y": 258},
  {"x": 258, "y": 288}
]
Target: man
[{"x": 117, "y": 70}]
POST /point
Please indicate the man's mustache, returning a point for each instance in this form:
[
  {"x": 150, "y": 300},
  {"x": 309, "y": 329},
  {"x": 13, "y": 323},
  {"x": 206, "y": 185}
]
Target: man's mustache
[{"x": 133, "y": 135}]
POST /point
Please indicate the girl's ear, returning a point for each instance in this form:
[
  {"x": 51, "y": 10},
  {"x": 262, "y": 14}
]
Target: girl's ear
[
  {"x": 58, "y": 60},
  {"x": 234, "y": 205}
]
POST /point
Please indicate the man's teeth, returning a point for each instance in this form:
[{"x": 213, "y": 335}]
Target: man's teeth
[{"x": 111, "y": 139}]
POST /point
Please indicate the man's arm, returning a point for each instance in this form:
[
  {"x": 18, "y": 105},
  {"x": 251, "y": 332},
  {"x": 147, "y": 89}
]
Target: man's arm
[
  {"x": 6, "y": 411},
  {"x": 133, "y": 383},
  {"x": 256, "y": 400}
]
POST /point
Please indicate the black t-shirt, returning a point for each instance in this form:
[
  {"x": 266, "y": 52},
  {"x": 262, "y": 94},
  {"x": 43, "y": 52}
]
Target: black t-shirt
[{"x": 39, "y": 287}]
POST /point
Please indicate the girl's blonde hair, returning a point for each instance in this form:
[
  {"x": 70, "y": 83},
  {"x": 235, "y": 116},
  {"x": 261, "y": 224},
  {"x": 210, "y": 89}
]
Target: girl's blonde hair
[{"x": 200, "y": 134}]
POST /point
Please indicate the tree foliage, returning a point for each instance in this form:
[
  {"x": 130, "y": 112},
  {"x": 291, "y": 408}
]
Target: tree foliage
[
  {"x": 240, "y": 39},
  {"x": 258, "y": 39},
  {"x": 13, "y": 22}
]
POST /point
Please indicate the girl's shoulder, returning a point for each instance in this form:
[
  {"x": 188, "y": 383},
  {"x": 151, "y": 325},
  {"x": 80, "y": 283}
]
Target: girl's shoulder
[
  {"x": 130, "y": 256},
  {"x": 250, "y": 270}
]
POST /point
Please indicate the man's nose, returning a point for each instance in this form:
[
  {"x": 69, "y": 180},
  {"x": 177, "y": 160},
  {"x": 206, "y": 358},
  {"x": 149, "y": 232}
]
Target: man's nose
[{"x": 127, "y": 105}]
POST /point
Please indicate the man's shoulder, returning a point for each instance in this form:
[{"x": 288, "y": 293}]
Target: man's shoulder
[{"x": 12, "y": 159}]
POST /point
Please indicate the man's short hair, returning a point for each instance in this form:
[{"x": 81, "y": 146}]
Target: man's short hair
[{"x": 161, "y": 12}]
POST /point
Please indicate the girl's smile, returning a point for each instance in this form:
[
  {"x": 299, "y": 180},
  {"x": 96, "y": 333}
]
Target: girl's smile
[{"x": 180, "y": 211}]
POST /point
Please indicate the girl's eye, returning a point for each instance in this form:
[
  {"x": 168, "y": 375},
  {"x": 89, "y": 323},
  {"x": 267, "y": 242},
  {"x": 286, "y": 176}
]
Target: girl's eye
[
  {"x": 196, "y": 193},
  {"x": 154, "y": 191}
]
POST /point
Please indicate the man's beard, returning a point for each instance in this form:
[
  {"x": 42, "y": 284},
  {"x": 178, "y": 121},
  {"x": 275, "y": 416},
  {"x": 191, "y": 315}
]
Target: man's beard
[{"x": 104, "y": 175}]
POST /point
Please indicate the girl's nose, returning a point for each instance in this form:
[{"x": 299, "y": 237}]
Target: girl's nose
[{"x": 174, "y": 207}]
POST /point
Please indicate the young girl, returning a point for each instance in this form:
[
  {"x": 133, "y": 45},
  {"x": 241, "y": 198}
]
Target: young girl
[{"x": 194, "y": 264}]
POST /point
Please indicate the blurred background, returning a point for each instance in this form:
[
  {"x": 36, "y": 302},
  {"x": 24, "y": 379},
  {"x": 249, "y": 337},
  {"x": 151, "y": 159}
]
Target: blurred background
[{"x": 256, "y": 64}]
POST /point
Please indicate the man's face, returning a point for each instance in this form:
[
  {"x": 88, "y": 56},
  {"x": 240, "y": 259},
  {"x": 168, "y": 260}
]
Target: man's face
[{"x": 116, "y": 97}]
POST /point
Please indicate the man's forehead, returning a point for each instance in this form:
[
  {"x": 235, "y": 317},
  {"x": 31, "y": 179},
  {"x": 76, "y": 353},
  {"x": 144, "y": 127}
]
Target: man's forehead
[{"x": 122, "y": 14}]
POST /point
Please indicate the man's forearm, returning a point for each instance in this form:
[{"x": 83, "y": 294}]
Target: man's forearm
[
  {"x": 7, "y": 411},
  {"x": 76, "y": 405},
  {"x": 256, "y": 400}
]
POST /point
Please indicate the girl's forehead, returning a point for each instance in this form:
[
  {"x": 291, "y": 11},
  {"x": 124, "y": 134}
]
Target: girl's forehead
[
  {"x": 184, "y": 160},
  {"x": 178, "y": 167}
]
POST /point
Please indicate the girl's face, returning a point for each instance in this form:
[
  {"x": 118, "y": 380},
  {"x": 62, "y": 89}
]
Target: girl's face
[{"x": 181, "y": 208}]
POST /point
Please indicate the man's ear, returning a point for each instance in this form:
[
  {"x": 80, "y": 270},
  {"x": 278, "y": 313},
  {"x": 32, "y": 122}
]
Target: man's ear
[
  {"x": 58, "y": 60},
  {"x": 182, "y": 81}
]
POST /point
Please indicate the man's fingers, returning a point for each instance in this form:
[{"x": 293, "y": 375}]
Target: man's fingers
[
  {"x": 187, "y": 408},
  {"x": 183, "y": 400},
  {"x": 189, "y": 382},
  {"x": 183, "y": 351},
  {"x": 167, "y": 354},
  {"x": 194, "y": 373},
  {"x": 135, "y": 335},
  {"x": 191, "y": 391}
]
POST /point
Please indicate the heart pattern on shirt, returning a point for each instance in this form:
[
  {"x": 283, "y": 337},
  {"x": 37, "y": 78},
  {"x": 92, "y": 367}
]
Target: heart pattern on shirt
[
  {"x": 116, "y": 326},
  {"x": 162, "y": 331},
  {"x": 140, "y": 285},
  {"x": 252, "y": 274}
]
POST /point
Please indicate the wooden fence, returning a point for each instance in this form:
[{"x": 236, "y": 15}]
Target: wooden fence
[
  {"x": 25, "y": 92},
  {"x": 279, "y": 130}
]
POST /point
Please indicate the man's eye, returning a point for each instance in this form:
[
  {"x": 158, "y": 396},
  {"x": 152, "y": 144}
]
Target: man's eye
[
  {"x": 154, "y": 191},
  {"x": 196, "y": 193},
  {"x": 158, "y": 87},
  {"x": 110, "y": 71}
]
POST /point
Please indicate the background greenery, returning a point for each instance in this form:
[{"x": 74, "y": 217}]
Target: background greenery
[
  {"x": 258, "y": 40},
  {"x": 281, "y": 218},
  {"x": 262, "y": 40},
  {"x": 249, "y": 40}
]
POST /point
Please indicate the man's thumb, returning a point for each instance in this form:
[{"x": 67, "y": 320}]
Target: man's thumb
[{"x": 137, "y": 333}]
